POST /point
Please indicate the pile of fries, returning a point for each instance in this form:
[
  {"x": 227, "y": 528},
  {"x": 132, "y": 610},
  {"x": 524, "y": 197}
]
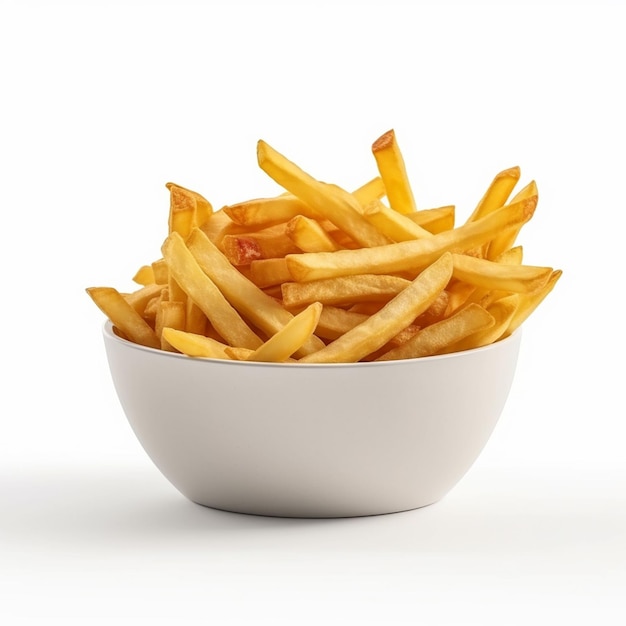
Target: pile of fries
[{"x": 319, "y": 274}]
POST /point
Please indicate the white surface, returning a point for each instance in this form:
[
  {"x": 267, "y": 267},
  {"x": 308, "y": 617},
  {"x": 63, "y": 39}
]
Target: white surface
[
  {"x": 103, "y": 103},
  {"x": 118, "y": 545}
]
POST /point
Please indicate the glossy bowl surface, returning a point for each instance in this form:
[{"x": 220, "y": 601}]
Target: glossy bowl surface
[{"x": 312, "y": 440}]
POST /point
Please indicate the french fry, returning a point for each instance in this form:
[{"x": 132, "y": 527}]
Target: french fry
[
  {"x": 144, "y": 276},
  {"x": 529, "y": 302},
  {"x": 397, "y": 314},
  {"x": 512, "y": 256},
  {"x": 187, "y": 210},
  {"x": 408, "y": 255},
  {"x": 161, "y": 272},
  {"x": 436, "y": 311},
  {"x": 123, "y": 316},
  {"x": 195, "y": 319},
  {"x": 392, "y": 170},
  {"x": 371, "y": 190},
  {"x": 309, "y": 236},
  {"x": 367, "y": 308},
  {"x": 176, "y": 292},
  {"x": 459, "y": 293},
  {"x": 504, "y": 277},
  {"x": 182, "y": 211},
  {"x": 269, "y": 272},
  {"x": 434, "y": 220},
  {"x": 219, "y": 225},
  {"x": 343, "y": 290},
  {"x": 392, "y": 223},
  {"x": 486, "y": 295},
  {"x": 238, "y": 354},
  {"x": 203, "y": 291},
  {"x": 262, "y": 310},
  {"x": 436, "y": 337},
  {"x": 506, "y": 239},
  {"x": 491, "y": 296},
  {"x": 502, "y": 312},
  {"x": 169, "y": 314},
  {"x": 497, "y": 193},
  {"x": 201, "y": 207},
  {"x": 269, "y": 243},
  {"x": 335, "y": 321},
  {"x": 265, "y": 212},
  {"x": 342, "y": 209},
  {"x": 195, "y": 345},
  {"x": 139, "y": 299},
  {"x": 290, "y": 338},
  {"x": 150, "y": 311}
]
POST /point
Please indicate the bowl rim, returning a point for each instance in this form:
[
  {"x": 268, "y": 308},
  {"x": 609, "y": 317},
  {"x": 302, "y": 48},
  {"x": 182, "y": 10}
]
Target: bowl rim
[{"x": 110, "y": 334}]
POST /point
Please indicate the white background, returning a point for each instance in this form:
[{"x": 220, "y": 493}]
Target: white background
[{"x": 102, "y": 103}]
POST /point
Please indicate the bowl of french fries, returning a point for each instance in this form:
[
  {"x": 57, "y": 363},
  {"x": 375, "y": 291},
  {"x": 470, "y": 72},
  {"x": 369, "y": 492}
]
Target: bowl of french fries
[{"x": 324, "y": 352}]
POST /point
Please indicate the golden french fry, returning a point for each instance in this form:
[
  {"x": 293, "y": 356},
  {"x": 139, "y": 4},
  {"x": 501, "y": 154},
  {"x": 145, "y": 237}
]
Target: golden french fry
[
  {"x": 335, "y": 321},
  {"x": 512, "y": 256},
  {"x": 203, "y": 291},
  {"x": 123, "y": 316},
  {"x": 176, "y": 292},
  {"x": 169, "y": 314},
  {"x": 529, "y": 302},
  {"x": 436, "y": 337},
  {"x": 195, "y": 319},
  {"x": 269, "y": 243},
  {"x": 392, "y": 223},
  {"x": 396, "y": 315},
  {"x": 265, "y": 212},
  {"x": 201, "y": 207},
  {"x": 161, "y": 272},
  {"x": 139, "y": 299},
  {"x": 402, "y": 337},
  {"x": 502, "y": 311},
  {"x": 269, "y": 272},
  {"x": 488, "y": 294},
  {"x": 407, "y": 255},
  {"x": 436, "y": 311},
  {"x": 367, "y": 308},
  {"x": 238, "y": 354},
  {"x": 506, "y": 239},
  {"x": 219, "y": 225},
  {"x": 150, "y": 311},
  {"x": 459, "y": 293},
  {"x": 328, "y": 201},
  {"x": 290, "y": 338},
  {"x": 492, "y": 275},
  {"x": 343, "y": 290},
  {"x": 372, "y": 190},
  {"x": 144, "y": 276},
  {"x": 392, "y": 170},
  {"x": 262, "y": 310},
  {"x": 434, "y": 220},
  {"x": 491, "y": 296},
  {"x": 193, "y": 344},
  {"x": 182, "y": 211},
  {"x": 309, "y": 236},
  {"x": 497, "y": 193}
]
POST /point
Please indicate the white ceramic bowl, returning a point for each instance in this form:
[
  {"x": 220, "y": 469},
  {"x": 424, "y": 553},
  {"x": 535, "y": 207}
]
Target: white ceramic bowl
[{"x": 313, "y": 440}]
